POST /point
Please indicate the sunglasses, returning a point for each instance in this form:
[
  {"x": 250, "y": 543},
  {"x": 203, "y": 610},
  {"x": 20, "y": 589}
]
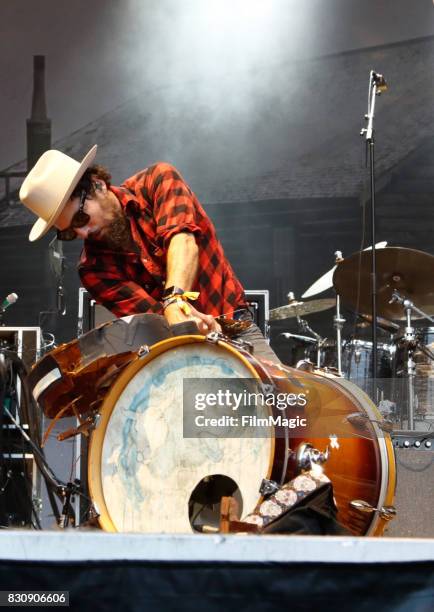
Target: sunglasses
[{"x": 80, "y": 219}]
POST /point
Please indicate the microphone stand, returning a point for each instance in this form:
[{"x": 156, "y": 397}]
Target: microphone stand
[
  {"x": 319, "y": 341},
  {"x": 64, "y": 491},
  {"x": 377, "y": 84}
]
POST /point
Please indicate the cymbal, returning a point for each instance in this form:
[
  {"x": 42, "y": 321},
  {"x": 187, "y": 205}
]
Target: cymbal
[
  {"x": 385, "y": 324},
  {"x": 408, "y": 271},
  {"x": 326, "y": 280},
  {"x": 301, "y": 309}
]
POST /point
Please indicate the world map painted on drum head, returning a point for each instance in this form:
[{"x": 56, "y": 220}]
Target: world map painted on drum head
[{"x": 148, "y": 469}]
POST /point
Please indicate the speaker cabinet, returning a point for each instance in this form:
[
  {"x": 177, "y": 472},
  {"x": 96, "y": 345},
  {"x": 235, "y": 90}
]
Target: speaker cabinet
[{"x": 414, "y": 500}]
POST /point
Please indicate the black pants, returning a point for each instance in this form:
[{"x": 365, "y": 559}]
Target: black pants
[{"x": 253, "y": 334}]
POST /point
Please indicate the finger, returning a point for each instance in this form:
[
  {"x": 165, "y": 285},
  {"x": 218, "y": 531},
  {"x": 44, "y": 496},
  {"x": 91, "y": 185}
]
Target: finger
[{"x": 203, "y": 327}]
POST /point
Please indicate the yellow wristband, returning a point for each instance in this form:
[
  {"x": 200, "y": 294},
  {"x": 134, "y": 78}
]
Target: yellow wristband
[{"x": 187, "y": 295}]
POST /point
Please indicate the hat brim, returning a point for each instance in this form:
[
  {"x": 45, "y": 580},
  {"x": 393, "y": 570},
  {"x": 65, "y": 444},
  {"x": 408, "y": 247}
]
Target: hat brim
[{"x": 41, "y": 227}]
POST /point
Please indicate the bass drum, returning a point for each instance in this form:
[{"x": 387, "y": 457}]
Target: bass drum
[{"x": 144, "y": 470}]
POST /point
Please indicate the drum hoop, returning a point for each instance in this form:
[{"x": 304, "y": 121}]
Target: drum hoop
[
  {"x": 106, "y": 410},
  {"x": 387, "y": 454}
]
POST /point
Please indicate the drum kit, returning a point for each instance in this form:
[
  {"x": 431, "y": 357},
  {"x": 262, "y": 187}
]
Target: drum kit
[
  {"x": 405, "y": 295},
  {"x": 125, "y": 383}
]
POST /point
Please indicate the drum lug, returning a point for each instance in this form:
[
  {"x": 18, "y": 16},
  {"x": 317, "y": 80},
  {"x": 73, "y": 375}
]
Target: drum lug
[
  {"x": 307, "y": 455},
  {"x": 362, "y": 506},
  {"x": 386, "y": 512},
  {"x": 214, "y": 337},
  {"x": 93, "y": 512},
  {"x": 305, "y": 365},
  {"x": 143, "y": 350},
  {"x": 268, "y": 487}
]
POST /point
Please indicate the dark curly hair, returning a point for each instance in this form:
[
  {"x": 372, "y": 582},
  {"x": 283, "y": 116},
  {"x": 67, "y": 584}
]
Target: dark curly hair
[{"x": 87, "y": 181}]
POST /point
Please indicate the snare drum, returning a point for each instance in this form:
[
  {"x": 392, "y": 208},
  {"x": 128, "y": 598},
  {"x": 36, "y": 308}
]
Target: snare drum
[{"x": 143, "y": 471}]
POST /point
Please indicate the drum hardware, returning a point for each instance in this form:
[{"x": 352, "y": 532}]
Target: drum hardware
[
  {"x": 339, "y": 322},
  {"x": 307, "y": 456},
  {"x": 143, "y": 350},
  {"x": 410, "y": 342},
  {"x": 306, "y": 339},
  {"x": 386, "y": 512},
  {"x": 304, "y": 326},
  {"x": 268, "y": 487},
  {"x": 305, "y": 365},
  {"x": 409, "y": 308},
  {"x": 360, "y": 420},
  {"x": 70, "y": 490},
  {"x": 216, "y": 337},
  {"x": 84, "y": 428}
]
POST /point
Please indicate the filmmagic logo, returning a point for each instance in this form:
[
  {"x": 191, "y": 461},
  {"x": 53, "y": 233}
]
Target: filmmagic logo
[
  {"x": 234, "y": 400},
  {"x": 250, "y": 421}
]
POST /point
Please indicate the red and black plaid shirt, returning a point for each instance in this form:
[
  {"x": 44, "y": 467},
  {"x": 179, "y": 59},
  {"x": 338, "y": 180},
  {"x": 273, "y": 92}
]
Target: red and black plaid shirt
[{"x": 158, "y": 204}]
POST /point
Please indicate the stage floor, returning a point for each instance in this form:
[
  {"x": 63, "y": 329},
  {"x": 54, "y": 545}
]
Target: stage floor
[{"x": 73, "y": 545}]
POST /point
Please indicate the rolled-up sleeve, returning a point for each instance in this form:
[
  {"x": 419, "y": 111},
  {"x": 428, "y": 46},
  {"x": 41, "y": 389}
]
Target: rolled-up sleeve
[{"x": 174, "y": 206}]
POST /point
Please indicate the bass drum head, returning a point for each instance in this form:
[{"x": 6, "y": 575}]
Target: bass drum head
[{"x": 142, "y": 471}]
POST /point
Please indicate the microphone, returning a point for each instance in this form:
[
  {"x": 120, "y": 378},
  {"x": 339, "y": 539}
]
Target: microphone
[
  {"x": 287, "y": 335},
  {"x": 8, "y": 301},
  {"x": 380, "y": 82}
]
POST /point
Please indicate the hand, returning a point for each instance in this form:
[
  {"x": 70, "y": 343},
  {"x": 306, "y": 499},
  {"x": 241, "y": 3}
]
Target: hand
[{"x": 205, "y": 323}]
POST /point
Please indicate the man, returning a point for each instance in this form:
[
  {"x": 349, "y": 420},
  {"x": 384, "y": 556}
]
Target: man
[{"x": 148, "y": 244}]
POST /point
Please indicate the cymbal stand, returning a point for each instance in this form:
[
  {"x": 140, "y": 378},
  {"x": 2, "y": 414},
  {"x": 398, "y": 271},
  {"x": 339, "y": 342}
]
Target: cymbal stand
[
  {"x": 338, "y": 325},
  {"x": 412, "y": 342}
]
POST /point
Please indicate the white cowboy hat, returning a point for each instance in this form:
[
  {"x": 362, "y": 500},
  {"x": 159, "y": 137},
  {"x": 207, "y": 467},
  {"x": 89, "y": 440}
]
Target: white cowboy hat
[{"x": 48, "y": 187}]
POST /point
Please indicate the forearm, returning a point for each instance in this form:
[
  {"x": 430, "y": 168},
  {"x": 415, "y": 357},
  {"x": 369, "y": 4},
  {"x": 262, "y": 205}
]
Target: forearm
[
  {"x": 182, "y": 261},
  {"x": 182, "y": 268}
]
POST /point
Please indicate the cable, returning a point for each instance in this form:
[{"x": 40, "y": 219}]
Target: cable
[{"x": 30, "y": 413}]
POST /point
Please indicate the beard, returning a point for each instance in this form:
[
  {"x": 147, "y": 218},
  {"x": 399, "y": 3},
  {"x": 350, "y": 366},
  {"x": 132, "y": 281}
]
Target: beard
[{"x": 116, "y": 236}]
